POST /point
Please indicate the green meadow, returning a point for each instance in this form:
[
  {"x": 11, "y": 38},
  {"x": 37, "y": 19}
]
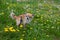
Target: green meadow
[{"x": 44, "y": 26}]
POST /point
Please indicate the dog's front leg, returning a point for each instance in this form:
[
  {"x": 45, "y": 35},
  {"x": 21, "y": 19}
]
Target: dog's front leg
[
  {"x": 24, "y": 25},
  {"x": 17, "y": 22}
]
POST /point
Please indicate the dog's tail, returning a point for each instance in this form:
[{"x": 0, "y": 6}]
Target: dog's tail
[{"x": 12, "y": 15}]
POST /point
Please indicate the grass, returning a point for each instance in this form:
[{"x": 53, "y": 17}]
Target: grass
[{"x": 44, "y": 26}]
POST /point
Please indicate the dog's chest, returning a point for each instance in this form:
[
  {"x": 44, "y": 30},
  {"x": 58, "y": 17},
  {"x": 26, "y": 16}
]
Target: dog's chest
[{"x": 27, "y": 20}]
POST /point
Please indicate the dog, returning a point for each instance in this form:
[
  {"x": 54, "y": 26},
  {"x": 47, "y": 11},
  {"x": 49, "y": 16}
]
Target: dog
[{"x": 22, "y": 19}]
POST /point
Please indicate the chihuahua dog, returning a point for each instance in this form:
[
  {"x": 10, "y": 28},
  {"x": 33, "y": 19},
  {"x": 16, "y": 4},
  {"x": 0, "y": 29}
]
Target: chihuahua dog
[{"x": 22, "y": 19}]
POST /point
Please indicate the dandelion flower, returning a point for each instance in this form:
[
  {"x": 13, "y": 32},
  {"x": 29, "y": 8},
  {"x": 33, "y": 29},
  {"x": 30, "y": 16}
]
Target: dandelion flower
[
  {"x": 10, "y": 28},
  {"x": 14, "y": 30},
  {"x": 21, "y": 26},
  {"x": 21, "y": 39},
  {"x": 31, "y": 28},
  {"x": 6, "y": 29}
]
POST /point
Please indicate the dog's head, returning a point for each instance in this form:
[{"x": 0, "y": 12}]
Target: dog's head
[{"x": 30, "y": 15}]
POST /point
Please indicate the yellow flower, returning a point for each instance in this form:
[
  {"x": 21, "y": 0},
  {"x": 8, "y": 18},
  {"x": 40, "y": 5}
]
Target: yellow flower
[
  {"x": 21, "y": 39},
  {"x": 21, "y": 26},
  {"x": 14, "y": 30},
  {"x": 31, "y": 28},
  {"x": 6, "y": 29},
  {"x": 10, "y": 28}
]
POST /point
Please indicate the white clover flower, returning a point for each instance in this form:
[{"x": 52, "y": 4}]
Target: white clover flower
[
  {"x": 45, "y": 1},
  {"x": 39, "y": 4}
]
